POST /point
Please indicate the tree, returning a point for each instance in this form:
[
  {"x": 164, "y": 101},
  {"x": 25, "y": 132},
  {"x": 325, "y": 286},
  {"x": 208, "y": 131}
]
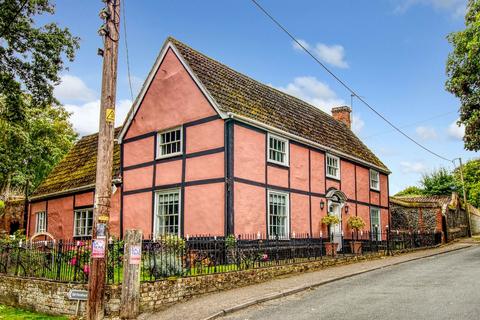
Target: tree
[
  {"x": 31, "y": 57},
  {"x": 410, "y": 191},
  {"x": 471, "y": 173},
  {"x": 35, "y": 129},
  {"x": 439, "y": 182},
  {"x": 463, "y": 71},
  {"x": 31, "y": 147}
]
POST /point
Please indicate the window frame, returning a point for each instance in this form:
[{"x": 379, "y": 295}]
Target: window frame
[
  {"x": 378, "y": 180},
  {"x": 75, "y": 222},
  {"x": 287, "y": 150},
  {"x": 159, "y": 154},
  {"x": 37, "y": 220},
  {"x": 327, "y": 156},
  {"x": 379, "y": 235},
  {"x": 156, "y": 211},
  {"x": 287, "y": 214}
]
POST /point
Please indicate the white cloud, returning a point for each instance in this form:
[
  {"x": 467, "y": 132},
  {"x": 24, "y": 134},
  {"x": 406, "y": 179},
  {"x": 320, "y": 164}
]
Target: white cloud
[
  {"x": 313, "y": 91},
  {"x": 85, "y": 117},
  {"x": 456, "y": 132},
  {"x": 73, "y": 88},
  {"x": 426, "y": 133},
  {"x": 333, "y": 54},
  {"x": 457, "y": 8},
  {"x": 357, "y": 123},
  {"x": 413, "y": 167}
]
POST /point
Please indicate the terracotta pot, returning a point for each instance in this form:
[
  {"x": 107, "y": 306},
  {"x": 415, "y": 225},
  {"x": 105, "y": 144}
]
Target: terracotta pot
[
  {"x": 356, "y": 247},
  {"x": 331, "y": 248}
]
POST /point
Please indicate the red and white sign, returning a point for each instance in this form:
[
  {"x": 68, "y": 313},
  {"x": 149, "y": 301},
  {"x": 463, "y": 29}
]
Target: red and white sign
[
  {"x": 135, "y": 254},
  {"x": 98, "y": 248}
]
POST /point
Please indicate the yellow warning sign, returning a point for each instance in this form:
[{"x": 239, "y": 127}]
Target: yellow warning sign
[
  {"x": 110, "y": 115},
  {"x": 103, "y": 218}
]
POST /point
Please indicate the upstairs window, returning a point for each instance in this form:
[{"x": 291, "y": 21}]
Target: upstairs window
[
  {"x": 277, "y": 150},
  {"x": 167, "y": 215},
  {"x": 169, "y": 143},
  {"x": 83, "y": 223},
  {"x": 374, "y": 180},
  {"x": 278, "y": 213},
  {"x": 41, "y": 222},
  {"x": 333, "y": 166}
]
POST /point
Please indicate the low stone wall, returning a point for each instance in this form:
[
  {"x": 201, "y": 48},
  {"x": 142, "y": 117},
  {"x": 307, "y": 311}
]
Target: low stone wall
[
  {"x": 49, "y": 296},
  {"x": 156, "y": 295}
]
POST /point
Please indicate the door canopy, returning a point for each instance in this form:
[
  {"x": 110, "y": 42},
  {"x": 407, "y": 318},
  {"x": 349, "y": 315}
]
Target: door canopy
[{"x": 336, "y": 196}]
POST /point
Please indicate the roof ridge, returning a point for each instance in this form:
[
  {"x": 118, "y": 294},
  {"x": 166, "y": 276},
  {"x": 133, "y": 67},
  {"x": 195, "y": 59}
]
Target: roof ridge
[{"x": 172, "y": 39}]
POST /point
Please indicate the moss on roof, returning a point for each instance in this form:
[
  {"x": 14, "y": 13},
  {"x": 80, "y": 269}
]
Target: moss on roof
[
  {"x": 78, "y": 167},
  {"x": 421, "y": 201},
  {"x": 239, "y": 94}
]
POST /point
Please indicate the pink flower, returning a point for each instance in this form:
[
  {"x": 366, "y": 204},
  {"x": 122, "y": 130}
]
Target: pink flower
[
  {"x": 264, "y": 257},
  {"x": 73, "y": 262},
  {"x": 86, "y": 269}
]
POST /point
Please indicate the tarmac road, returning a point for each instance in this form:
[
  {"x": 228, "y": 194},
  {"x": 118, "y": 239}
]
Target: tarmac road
[{"x": 441, "y": 287}]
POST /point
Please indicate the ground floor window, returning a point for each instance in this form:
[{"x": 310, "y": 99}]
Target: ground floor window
[
  {"x": 83, "y": 223},
  {"x": 375, "y": 224},
  {"x": 278, "y": 213},
  {"x": 167, "y": 212},
  {"x": 41, "y": 222}
]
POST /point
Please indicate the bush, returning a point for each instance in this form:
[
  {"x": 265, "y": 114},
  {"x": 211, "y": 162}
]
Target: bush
[{"x": 165, "y": 264}]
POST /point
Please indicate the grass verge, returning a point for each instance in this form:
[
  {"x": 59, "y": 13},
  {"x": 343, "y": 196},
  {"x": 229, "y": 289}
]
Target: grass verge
[{"x": 17, "y": 314}]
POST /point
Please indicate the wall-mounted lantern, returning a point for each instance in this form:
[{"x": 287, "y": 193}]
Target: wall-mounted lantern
[
  {"x": 346, "y": 209},
  {"x": 322, "y": 204}
]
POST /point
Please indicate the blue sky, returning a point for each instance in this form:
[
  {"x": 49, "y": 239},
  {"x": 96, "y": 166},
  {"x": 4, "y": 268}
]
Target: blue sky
[{"x": 392, "y": 52}]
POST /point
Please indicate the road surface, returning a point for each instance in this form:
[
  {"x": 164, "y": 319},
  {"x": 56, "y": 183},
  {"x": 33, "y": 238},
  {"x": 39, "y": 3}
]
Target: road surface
[{"x": 446, "y": 286}]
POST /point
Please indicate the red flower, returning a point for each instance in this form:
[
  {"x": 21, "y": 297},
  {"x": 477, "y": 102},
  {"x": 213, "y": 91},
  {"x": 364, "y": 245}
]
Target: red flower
[
  {"x": 86, "y": 269},
  {"x": 73, "y": 262}
]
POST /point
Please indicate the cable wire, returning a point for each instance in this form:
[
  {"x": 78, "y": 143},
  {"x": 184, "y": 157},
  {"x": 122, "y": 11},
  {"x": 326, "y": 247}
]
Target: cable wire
[
  {"x": 126, "y": 49},
  {"x": 343, "y": 83}
]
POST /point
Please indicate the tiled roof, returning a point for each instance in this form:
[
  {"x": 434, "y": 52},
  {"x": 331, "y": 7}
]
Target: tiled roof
[
  {"x": 241, "y": 95},
  {"x": 422, "y": 201},
  {"x": 78, "y": 168}
]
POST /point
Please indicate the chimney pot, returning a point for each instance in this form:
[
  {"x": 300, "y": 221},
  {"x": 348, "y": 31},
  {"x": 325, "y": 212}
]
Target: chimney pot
[{"x": 342, "y": 114}]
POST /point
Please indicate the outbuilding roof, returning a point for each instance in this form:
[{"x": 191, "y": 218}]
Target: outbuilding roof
[{"x": 78, "y": 168}]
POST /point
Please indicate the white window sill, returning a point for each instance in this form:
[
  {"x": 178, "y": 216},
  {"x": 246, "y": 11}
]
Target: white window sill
[{"x": 171, "y": 155}]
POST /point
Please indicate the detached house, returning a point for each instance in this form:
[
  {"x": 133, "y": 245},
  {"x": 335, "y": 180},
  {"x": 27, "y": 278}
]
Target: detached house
[{"x": 208, "y": 150}]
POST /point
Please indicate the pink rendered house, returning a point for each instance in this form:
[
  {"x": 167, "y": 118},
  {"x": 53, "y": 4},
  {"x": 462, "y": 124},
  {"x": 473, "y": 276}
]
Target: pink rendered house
[{"x": 207, "y": 150}]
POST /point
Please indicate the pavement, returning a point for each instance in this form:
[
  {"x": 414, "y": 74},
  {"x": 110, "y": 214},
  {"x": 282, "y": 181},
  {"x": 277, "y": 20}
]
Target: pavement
[
  {"x": 440, "y": 287},
  {"x": 216, "y": 305}
]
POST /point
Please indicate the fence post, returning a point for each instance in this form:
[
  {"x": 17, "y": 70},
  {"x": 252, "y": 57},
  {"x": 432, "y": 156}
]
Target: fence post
[{"x": 131, "y": 275}]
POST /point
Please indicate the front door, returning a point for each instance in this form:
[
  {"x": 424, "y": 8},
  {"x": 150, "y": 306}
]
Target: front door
[{"x": 336, "y": 230}]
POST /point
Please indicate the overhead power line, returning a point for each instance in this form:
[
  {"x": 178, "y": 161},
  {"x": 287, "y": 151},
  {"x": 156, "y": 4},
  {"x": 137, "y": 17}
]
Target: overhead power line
[
  {"x": 126, "y": 49},
  {"x": 343, "y": 83}
]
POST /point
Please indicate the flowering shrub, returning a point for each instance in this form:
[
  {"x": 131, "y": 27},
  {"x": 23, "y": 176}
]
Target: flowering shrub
[
  {"x": 356, "y": 223},
  {"x": 330, "y": 220}
]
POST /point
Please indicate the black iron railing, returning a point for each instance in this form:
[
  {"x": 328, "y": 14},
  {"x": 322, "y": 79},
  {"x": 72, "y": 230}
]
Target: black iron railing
[
  {"x": 66, "y": 261},
  {"x": 172, "y": 256}
]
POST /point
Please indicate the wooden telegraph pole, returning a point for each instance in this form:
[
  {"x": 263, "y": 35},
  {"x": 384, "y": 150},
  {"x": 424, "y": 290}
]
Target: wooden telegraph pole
[{"x": 103, "y": 185}]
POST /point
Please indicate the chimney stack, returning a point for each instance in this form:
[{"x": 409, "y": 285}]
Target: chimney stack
[{"x": 342, "y": 114}]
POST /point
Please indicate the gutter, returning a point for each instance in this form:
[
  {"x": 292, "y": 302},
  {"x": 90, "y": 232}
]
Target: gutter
[
  {"x": 115, "y": 181},
  {"x": 261, "y": 125}
]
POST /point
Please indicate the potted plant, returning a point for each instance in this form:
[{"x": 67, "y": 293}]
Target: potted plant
[
  {"x": 356, "y": 223},
  {"x": 330, "y": 246}
]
